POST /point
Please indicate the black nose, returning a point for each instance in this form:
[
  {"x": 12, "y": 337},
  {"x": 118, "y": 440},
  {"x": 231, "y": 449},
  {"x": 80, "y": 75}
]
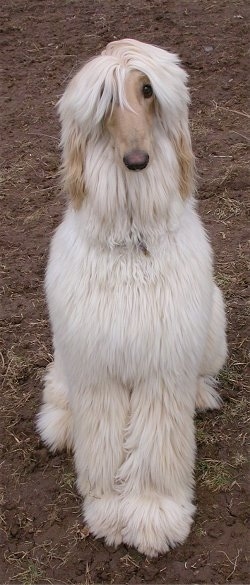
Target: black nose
[{"x": 136, "y": 160}]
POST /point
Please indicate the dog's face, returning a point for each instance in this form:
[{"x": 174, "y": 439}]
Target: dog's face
[
  {"x": 130, "y": 103},
  {"x": 131, "y": 128}
]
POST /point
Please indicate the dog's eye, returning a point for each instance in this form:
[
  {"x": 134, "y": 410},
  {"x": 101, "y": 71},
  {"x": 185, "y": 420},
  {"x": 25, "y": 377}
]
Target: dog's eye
[{"x": 147, "y": 90}]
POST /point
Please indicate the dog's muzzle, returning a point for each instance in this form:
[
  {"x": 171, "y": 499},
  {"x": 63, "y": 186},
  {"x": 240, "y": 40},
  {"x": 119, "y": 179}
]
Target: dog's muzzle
[{"x": 136, "y": 160}]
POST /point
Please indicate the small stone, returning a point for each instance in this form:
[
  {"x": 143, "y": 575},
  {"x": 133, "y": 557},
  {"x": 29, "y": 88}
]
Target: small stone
[
  {"x": 230, "y": 521},
  {"x": 84, "y": 532},
  {"x": 208, "y": 49},
  {"x": 80, "y": 575},
  {"x": 42, "y": 454},
  {"x": 214, "y": 532},
  {"x": 10, "y": 505},
  {"x": 14, "y": 530},
  {"x": 150, "y": 573}
]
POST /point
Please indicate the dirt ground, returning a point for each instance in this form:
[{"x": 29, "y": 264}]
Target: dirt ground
[{"x": 43, "y": 538}]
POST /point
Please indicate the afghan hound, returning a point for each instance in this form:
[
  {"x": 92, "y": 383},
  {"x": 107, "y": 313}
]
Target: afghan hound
[{"x": 138, "y": 322}]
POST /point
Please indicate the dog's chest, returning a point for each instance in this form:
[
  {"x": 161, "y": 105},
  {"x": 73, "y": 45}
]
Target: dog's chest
[
  {"x": 119, "y": 301},
  {"x": 120, "y": 326},
  {"x": 128, "y": 315}
]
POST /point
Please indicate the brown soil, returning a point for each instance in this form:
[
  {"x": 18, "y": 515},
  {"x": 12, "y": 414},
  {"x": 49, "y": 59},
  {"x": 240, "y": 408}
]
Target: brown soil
[{"x": 43, "y": 538}]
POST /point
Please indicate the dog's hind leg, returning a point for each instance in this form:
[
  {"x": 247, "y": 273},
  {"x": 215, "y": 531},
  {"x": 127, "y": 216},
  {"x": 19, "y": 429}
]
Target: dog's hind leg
[
  {"x": 156, "y": 479},
  {"x": 100, "y": 417},
  {"x": 54, "y": 420},
  {"x": 214, "y": 357}
]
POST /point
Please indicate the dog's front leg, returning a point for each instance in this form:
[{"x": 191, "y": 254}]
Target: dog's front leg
[
  {"x": 100, "y": 415},
  {"x": 156, "y": 479}
]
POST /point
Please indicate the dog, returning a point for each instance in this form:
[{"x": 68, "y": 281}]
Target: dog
[{"x": 138, "y": 322}]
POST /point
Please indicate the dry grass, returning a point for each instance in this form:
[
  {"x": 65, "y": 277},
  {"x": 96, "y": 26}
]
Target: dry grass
[
  {"x": 228, "y": 208},
  {"x": 129, "y": 561},
  {"x": 215, "y": 475},
  {"x": 30, "y": 575},
  {"x": 218, "y": 430},
  {"x": 67, "y": 482}
]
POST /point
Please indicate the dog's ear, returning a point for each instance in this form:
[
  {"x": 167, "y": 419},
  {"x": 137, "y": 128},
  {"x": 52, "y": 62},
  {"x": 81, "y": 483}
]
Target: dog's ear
[
  {"x": 185, "y": 157},
  {"x": 72, "y": 169}
]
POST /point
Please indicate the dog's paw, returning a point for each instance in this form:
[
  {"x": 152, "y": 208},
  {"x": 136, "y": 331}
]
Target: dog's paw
[
  {"x": 55, "y": 426},
  {"x": 102, "y": 515},
  {"x": 207, "y": 397},
  {"x": 154, "y": 523}
]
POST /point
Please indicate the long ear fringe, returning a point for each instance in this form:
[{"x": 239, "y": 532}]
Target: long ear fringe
[
  {"x": 72, "y": 168},
  {"x": 186, "y": 160}
]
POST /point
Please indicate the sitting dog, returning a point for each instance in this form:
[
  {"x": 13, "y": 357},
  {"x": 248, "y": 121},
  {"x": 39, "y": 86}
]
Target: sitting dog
[{"x": 138, "y": 322}]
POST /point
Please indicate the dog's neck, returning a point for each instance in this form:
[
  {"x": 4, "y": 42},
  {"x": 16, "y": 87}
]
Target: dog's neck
[{"x": 135, "y": 242}]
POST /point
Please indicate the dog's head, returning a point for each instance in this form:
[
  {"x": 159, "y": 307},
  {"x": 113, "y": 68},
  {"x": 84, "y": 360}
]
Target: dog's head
[{"x": 130, "y": 98}]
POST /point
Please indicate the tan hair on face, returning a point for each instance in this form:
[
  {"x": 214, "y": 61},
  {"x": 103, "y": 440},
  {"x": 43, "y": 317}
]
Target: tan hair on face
[{"x": 131, "y": 128}]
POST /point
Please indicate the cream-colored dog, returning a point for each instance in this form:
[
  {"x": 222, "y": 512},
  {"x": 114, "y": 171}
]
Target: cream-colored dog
[{"x": 138, "y": 322}]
